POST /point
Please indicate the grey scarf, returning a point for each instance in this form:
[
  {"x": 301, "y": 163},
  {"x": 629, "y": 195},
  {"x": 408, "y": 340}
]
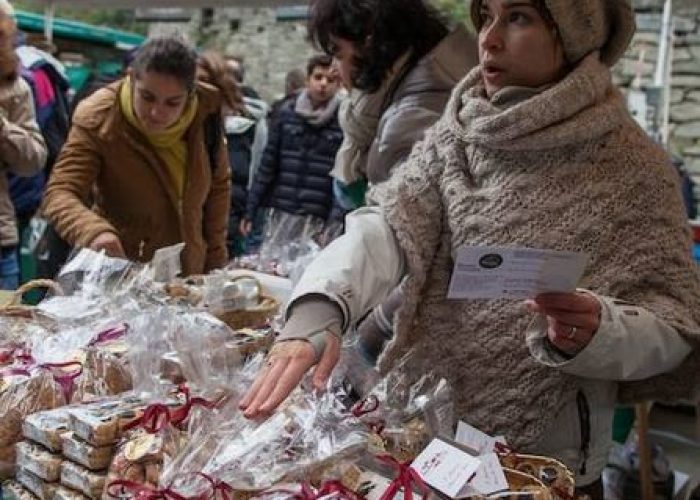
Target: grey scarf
[
  {"x": 317, "y": 117},
  {"x": 359, "y": 118}
]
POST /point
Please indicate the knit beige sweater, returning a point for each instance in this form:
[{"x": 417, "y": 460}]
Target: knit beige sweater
[{"x": 567, "y": 169}]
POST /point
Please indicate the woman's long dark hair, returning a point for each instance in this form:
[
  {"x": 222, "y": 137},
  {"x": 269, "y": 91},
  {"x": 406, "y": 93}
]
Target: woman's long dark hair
[{"x": 381, "y": 31}]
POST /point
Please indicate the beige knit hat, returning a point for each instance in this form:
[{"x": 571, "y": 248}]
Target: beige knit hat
[
  {"x": 588, "y": 25},
  {"x": 7, "y": 8}
]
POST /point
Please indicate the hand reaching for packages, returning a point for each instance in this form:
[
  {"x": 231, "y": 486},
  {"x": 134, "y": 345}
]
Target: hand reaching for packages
[
  {"x": 109, "y": 242},
  {"x": 573, "y": 319},
  {"x": 284, "y": 369}
]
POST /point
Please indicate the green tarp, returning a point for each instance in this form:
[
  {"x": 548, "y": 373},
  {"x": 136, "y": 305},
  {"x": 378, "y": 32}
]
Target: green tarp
[{"x": 76, "y": 30}]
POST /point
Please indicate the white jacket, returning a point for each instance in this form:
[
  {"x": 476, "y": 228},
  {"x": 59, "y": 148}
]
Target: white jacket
[{"x": 358, "y": 270}]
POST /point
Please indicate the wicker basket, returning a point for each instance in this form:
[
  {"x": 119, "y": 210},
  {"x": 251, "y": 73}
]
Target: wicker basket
[
  {"x": 527, "y": 487},
  {"x": 15, "y": 302},
  {"x": 552, "y": 473},
  {"x": 247, "y": 344},
  {"x": 260, "y": 315}
]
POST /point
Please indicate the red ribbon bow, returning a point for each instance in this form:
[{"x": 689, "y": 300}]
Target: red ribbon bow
[
  {"x": 65, "y": 380},
  {"x": 119, "y": 487},
  {"x": 334, "y": 489},
  {"x": 406, "y": 478},
  {"x": 114, "y": 333},
  {"x": 369, "y": 405},
  {"x": 218, "y": 486},
  {"x": 503, "y": 449},
  {"x": 16, "y": 353},
  {"x": 155, "y": 417},
  {"x": 180, "y": 416}
]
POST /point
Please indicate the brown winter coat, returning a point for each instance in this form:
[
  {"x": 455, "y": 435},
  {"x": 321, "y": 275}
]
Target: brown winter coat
[
  {"x": 108, "y": 163},
  {"x": 22, "y": 148}
]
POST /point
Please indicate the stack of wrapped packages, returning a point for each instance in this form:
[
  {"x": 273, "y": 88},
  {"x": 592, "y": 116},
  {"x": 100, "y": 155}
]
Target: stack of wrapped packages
[{"x": 129, "y": 387}]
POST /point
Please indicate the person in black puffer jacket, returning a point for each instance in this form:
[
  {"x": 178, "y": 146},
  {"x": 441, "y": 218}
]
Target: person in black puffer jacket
[{"x": 293, "y": 177}]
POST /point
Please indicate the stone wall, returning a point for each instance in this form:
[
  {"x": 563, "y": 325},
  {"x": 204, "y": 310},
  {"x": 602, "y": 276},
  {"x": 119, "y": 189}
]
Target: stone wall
[
  {"x": 685, "y": 80},
  {"x": 270, "y": 46}
]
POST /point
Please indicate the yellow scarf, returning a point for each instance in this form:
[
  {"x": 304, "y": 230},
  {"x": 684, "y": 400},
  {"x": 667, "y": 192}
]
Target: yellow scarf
[{"x": 170, "y": 144}]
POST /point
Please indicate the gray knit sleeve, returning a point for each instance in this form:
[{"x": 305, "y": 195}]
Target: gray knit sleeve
[{"x": 309, "y": 319}]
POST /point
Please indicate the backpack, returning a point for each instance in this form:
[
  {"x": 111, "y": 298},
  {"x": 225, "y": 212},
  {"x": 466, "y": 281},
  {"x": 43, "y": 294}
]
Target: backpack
[
  {"x": 49, "y": 89},
  {"x": 53, "y": 117}
]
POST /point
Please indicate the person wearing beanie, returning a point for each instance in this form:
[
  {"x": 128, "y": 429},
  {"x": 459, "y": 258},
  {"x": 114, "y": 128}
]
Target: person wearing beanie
[{"x": 535, "y": 149}]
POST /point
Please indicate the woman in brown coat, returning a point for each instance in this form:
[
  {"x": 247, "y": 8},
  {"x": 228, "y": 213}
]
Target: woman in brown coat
[{"x": 145, "y": 164}]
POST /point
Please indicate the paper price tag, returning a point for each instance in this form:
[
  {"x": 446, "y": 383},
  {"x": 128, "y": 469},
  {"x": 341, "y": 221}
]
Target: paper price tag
[{"x": 445, "y": 467}]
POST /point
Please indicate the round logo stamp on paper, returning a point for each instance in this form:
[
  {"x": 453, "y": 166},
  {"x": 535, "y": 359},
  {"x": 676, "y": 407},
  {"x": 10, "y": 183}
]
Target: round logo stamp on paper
[{"x": 491, "y": 261}]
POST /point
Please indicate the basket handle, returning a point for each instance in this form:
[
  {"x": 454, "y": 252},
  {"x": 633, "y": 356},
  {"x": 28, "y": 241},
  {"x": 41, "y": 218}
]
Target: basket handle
[
  {"x": 249, "y": 277},
  {"x": 17, "y": 295}
]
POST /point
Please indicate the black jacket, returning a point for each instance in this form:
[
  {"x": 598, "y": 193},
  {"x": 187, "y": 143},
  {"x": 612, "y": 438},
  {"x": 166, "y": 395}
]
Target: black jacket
[{"x": 294, "y": 174}]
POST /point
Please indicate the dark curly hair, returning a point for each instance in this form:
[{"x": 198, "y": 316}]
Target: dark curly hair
[
  {"x": 320, "y": 60},
  {"x": 381, "y": 31},
  {"x": 167, "y": 55}
]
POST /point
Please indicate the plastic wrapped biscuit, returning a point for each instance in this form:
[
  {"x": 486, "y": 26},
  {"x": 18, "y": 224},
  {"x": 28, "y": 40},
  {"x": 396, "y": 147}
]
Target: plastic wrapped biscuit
[
  {"x": 12, "y": 490},
  {"x": 141, "y": 455},
  {"x": 171, "y": 368},
  {"x": 7, "y": 462},
  {"x": 63, "y": 493},
  {"x": 36, "y": 485},
  {"x": 81, "y": 479},
  {"x": 22, "y": 394},
  {"x": 35, "y": 459},
  {"x": 83, "y": 453},
  {"x": 104, "y": 374},
  {"x": 47, "y": 428},
  {"x": 102, "y": 424}
]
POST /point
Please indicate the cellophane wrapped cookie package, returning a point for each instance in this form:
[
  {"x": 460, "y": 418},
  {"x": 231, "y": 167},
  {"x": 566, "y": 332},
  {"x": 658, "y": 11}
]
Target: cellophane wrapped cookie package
[{"x": 128, "y": 385}]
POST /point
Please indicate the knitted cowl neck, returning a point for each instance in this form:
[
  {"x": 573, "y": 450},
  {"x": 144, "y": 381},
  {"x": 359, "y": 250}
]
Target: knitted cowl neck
[
  {"x": 565, "y": 169},
  {"x": 584, "y": 105}
]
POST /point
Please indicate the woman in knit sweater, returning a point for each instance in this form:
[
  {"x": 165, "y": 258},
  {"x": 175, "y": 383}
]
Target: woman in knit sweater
[{"x": 535, "y": 149}]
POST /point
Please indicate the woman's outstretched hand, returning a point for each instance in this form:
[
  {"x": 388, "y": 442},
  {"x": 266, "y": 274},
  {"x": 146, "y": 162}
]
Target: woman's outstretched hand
[
  {"x": 285, "y": 367},
  {"x": 573, "y": 318}
]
